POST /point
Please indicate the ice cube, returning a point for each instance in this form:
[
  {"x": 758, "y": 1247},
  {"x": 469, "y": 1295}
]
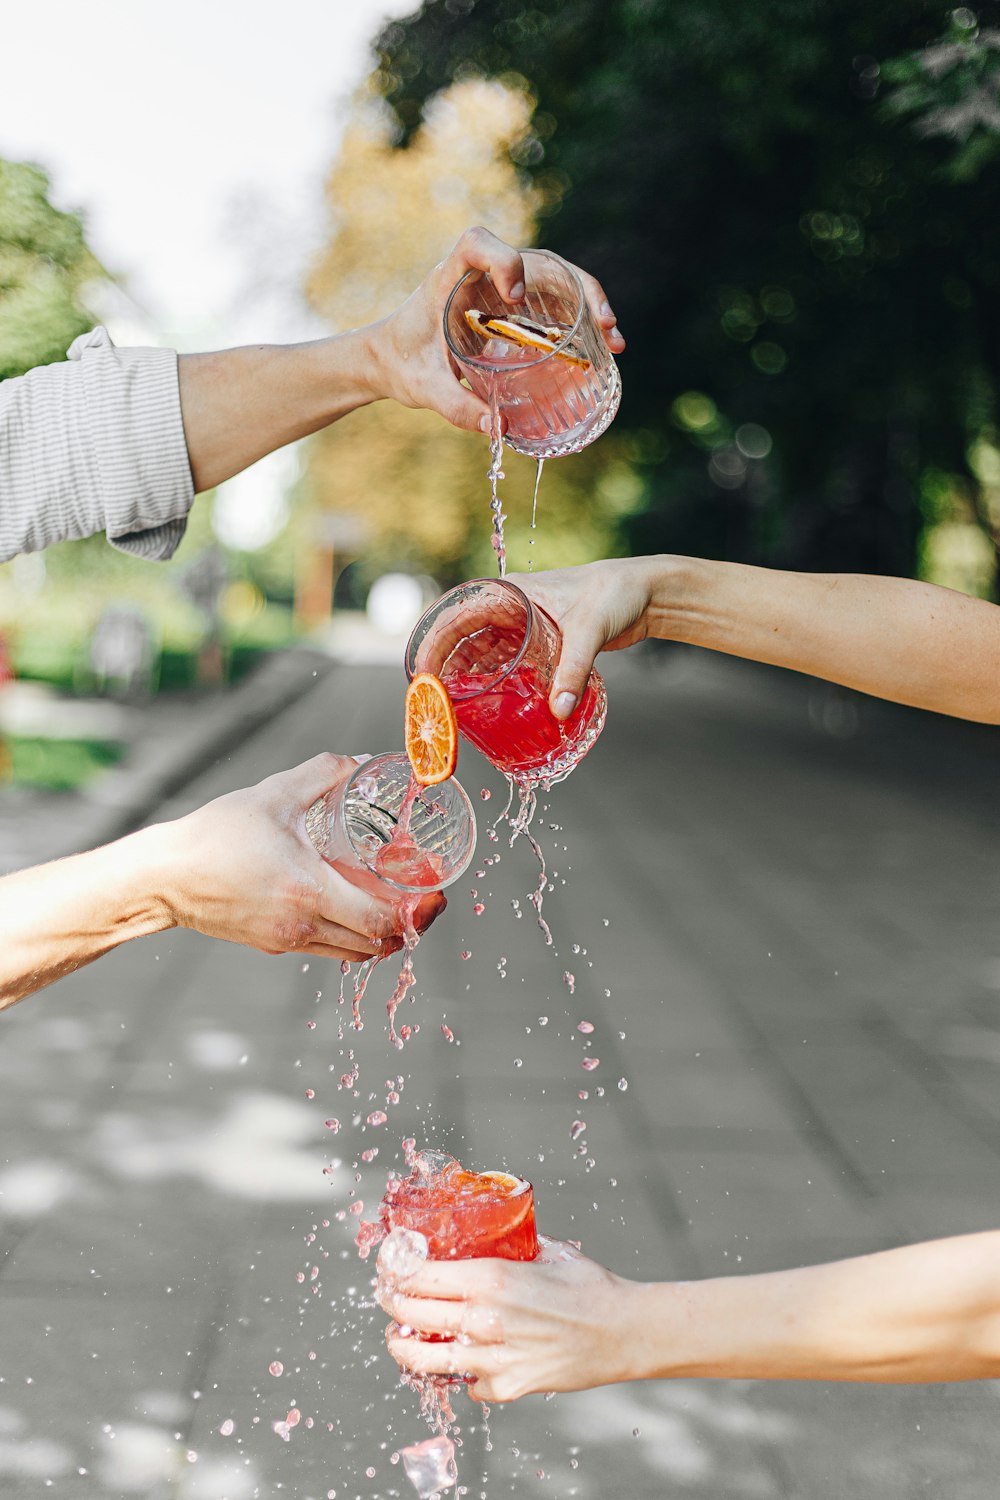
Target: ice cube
[
  {"x": 430, "y": 1466},
  {"x": 429, "y": 1164},
  {"x": 400, "y": 1248}
]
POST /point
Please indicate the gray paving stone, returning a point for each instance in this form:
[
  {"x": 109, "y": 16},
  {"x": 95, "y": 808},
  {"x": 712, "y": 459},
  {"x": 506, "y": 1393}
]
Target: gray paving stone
[{"x": 801, "y": 951}]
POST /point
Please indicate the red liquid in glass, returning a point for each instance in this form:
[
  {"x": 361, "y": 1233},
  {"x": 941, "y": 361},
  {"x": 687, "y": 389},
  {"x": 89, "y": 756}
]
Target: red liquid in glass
[
  {"x": 405, "y": 862},
  {"x": 509, "y": 718},
  {"x": 465, "y": 1215}
]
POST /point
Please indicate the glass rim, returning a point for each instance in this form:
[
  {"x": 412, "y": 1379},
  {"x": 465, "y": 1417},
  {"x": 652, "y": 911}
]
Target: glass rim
[
  {"x": 503, "y": 672},
  {"x": 527, "y": 364},
  {"x": 399, "y": 757}
]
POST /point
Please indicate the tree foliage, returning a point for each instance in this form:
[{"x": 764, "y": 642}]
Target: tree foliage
[
  {"x": 44, "y": 263},
  {"x": 810, "y": 285}
]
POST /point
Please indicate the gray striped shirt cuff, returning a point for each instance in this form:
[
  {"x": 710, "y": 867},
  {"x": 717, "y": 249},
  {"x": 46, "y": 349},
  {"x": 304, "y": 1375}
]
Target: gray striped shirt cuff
[{"x": 96, "y": 444}]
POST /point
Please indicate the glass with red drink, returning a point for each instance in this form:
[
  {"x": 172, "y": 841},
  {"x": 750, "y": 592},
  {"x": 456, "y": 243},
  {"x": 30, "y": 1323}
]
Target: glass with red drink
[
  {"x": 496, "y": 653},
  {"x": 379, "y": 829},
  {"x": 465, "y": 1215},
  {"x": 542, "y": 363}
]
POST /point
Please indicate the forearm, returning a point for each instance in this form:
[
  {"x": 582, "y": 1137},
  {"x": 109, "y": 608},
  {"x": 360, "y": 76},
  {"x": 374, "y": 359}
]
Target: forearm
[
  {"x": 240, "y": 404},
  {"x": 895, "y": 638},
  {"x": 57, "y": 917},
  {"x": 929, "y": 1312}
]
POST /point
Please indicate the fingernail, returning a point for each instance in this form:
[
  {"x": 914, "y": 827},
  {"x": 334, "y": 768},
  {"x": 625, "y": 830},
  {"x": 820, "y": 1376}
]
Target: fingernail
[
  {"x": 485, "y": 422},
  {"x": 565, "y": 704},
  {"x": 606, "y": 310},
  {"x": 615, "y": 333},
  {"x": 361, "y": 758},
  {"x": 517, "y": 291}
]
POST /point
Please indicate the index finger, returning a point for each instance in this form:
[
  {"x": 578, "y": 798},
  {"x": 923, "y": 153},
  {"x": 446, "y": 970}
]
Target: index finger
[
  {"x": 448, "y": 1280},
  {"x": 479, "y": 250},
  {"x": 601, "y": 310}
]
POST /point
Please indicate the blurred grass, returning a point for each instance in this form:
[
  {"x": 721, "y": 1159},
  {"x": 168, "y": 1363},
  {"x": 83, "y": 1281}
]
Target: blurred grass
[{"x": 57, "y": 765}]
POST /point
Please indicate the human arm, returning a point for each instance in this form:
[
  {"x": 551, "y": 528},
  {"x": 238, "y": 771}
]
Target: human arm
[
  {"x": 894, "y": 638},
  {"x": 241, "y": 403},
  {"x": 927, "y": 1312},
  {"x": 240, "y": 868},
  {"x": 121, "y": 440}
]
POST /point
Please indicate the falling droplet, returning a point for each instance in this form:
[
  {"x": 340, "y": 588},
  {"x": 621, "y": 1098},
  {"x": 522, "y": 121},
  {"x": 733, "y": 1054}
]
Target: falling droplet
[
  {"x": 486, "y": 794},
  {"x": 479, "y": 908},
  {"x": 276, "y": 1367},
  {"x": 377, "y": 1117},
  {"x": 585, "y": 1026},
  {"x": 623, "y": 1084},
  {"x": 333, "y": 1125},
  {"x": 590, "y": 1063},
  {"x": 466, "y": 953},
  {"x": 576, "y": 1129}
]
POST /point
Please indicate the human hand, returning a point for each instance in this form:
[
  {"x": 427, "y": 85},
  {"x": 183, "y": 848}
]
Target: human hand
[
  {"x": 414, "y": 364},
  {"x": 558, "y": 1323},
  {"x": 598, "y": 606},
  {"x": 243, "y": 868}
]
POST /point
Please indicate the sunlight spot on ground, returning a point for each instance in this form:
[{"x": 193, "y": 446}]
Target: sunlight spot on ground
[
  {"x": 34, "y": 1187},
  {"x": 262, "y": 1146},
  {"x": 134, "y": 1458}
]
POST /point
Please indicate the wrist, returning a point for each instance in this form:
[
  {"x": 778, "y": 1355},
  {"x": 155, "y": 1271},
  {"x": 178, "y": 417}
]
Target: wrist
[
  {"x": 349, "y": 374},
  {"x": 372, "y": 359},
  {"x": 147, "y": 864},
  {"x": 680, "y": 591}
]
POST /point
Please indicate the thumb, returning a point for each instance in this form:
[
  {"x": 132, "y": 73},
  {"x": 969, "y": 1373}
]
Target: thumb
[
  {"x": 314, "y": 778},
  {"x": 580, "y": 646},
  {"x": 460, "y": 407}
]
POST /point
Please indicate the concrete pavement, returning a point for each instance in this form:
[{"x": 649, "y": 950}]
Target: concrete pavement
[{"x": 800, "y": 892}]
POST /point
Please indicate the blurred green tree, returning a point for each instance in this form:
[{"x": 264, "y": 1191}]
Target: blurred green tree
[
  {"x": 793, "y": 207},
  {"x": 44, "y": 264}
]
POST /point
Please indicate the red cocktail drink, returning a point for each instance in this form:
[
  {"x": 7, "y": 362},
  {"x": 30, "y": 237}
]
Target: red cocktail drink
[
  {"x": 511, "y": 722},
  {"x": 465, "y": 1215},
  {"x": 496, "y": 653}
]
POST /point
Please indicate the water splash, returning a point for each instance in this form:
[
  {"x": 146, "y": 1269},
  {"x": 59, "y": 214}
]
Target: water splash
[
  {"x": 534, "y": 511},
  {"x": 494, "y": 475}
]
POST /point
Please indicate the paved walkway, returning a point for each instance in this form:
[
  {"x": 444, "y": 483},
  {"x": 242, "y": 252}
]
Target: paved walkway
[{"x": 791, "y": 895}]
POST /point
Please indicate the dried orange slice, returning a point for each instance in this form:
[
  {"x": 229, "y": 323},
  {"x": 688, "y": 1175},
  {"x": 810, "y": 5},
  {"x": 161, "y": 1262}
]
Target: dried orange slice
[
  {"x": 430, "y": 730},
  {"x": 520, "y": 330}
]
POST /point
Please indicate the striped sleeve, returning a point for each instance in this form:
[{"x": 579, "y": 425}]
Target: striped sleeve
[{"x": 95, "y": 444}]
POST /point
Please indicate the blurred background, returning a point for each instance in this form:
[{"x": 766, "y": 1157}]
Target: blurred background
[
  {"x": 773, "y": 900},
  {"x": 791, "y": 205}
]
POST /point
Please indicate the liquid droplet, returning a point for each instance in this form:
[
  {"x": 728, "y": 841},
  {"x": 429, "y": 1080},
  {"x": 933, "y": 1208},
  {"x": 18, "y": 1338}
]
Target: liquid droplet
[{"x": 276, "y": 1367}]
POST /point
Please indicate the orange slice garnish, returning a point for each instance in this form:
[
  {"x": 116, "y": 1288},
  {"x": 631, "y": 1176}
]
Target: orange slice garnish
[
  {"x": 520, "y": 330},
  {"x": 430, "y": 730}
]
